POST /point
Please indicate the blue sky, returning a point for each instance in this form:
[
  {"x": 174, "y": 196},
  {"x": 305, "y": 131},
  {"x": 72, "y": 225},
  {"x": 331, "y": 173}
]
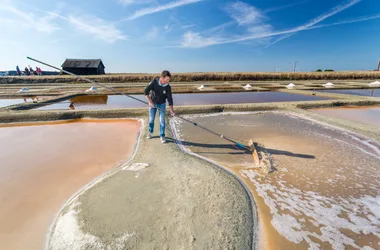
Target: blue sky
[{"x": 193, "y": 35}]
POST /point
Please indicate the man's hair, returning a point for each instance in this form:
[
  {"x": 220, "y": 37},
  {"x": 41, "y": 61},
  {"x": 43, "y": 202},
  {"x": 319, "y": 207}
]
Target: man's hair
[{"x": 166, "y": 73}]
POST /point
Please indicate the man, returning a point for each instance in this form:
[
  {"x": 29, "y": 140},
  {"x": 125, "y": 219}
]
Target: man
[{"x": 161, "y": 91}]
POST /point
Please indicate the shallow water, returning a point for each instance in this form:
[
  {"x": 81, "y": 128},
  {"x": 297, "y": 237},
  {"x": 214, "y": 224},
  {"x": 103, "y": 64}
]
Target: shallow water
[
  {"x": 43, "y": 165},
  {"x": 325, "y": 192},
  {"x": 14, "y": 101},
  {"x": 119, "y": 101},
  {"x": 361, "y": 92},
  {"x": 366, "y": 115}
]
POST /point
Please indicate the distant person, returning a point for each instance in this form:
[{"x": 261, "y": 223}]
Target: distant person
[
  {"x": 39, "y": 71},
  {"x": 18, "y": 71},
  {"x": 31, "y": 70},
  {"x": 161, "y": 91},
  {"x": 27, "y": 71}
]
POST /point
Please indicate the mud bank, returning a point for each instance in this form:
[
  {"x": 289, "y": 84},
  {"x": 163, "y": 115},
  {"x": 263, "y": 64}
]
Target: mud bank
[
  {"x": 161, "y": 199},
  {"x": 42, "y": 165},
  {"x": 315, "y": 199}
]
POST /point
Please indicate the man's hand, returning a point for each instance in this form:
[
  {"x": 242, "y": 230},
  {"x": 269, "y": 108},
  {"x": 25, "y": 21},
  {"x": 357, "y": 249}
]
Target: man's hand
[
  {"x": 150, "y": 101},
  {"x": 171, "y": 111}
]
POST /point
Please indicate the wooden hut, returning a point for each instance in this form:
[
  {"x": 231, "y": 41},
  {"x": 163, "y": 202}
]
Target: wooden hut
[{"x": 84, "y": 66}]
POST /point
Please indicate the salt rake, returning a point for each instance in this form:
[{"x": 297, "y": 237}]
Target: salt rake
[{"x": 237, "y": 145}]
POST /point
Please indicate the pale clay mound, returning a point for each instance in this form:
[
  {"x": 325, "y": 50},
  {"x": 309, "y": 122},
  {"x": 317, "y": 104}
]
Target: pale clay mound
[{"x": 164, "y": 199}]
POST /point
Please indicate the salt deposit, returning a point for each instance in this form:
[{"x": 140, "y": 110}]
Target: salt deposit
[
  {"x": 290, "y": 85},
  {"x": 328, "y": 85},
  {"x": 318, "y": 198},
  {"x": 68, "y": 234},
  {"x": 247, "y": 86},
  {"x": 93, "y": 88},
  {"x": 136, "y": 166},
  {"x": 376, "y": 83},
  {"x": 23, "y": 90},
  {"x": 363, "y": 213}
]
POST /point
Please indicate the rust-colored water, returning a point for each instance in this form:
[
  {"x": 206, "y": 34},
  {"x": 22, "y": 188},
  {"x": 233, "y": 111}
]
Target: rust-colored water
[
  {"x": 366, "y": 115},
  {"x": 119, "y": 101},
  {"x": 43, "y": 165},
  {"x": 325, "y": 192}
]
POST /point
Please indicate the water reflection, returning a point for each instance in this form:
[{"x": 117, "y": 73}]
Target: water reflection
[{"x": 95, "y": 102}]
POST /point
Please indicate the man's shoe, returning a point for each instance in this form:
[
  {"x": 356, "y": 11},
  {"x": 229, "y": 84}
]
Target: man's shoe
[
  {"x": 163, "y": 140},
  {"x": 149, "y": 136}
]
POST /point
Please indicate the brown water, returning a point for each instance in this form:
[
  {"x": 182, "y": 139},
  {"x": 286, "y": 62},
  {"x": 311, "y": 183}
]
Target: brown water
[
  {"x": 325, "y": 192},
  {"x": 119, "y": 101},
  {"x": 43, "y": 165},
  {"x": 361, "y": 92},
  {"x": 366, "y": 115}
]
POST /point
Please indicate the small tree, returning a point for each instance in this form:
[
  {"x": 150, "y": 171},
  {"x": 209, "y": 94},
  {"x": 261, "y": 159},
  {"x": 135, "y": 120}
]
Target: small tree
[
  {"x": 318, "y": 70},
  {"x": 329, "y": 70}
]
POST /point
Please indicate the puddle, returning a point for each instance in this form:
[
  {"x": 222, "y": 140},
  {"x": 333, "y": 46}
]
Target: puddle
[
  {"x": 325, "y": 192},
  {"x": 14, "y": 101},
  {"x": 43, "y": 165},
  {"x": 366, "y": 115},
  {"x": 361, "y": 92},
  {"x": 119, "y": 101}
]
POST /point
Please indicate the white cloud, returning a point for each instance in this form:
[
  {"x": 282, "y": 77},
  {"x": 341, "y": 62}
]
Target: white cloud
[
  {"x": 333, "y": 12},
  {"x": 245, "y": 14},
  {"x": 153, "y": 33},
  {"x": 130, "y": 2},
  {"x": 168, "y": 28},
  {"x": 362, "y": 19},
  {"x": 188, "y": 26},
  {"x": 208, "y": 41},
  {"x": 347, "y": 21},
  {"x": 279, "y": 39},
  {"x": 285, "y": 6},
  {"x": 127, "y": 2},
  {"x": 317, "y": 20},
  {"x": 194, "y": 40},
  {"x": 23, "y": 19},
  {"x": 99, "y": 28},
  {"x": 159, "y": 8}
]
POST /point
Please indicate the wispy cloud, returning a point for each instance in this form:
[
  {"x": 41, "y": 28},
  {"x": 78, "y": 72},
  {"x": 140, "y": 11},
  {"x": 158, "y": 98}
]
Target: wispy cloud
[
  {"x": 317, "y": 20},
  {"x": 285, "y": 6},
  {"x": 188, "y": 26},
  {"x": 280, "y": 39},
  {"x": 258, "y": 35},
  {"x": 127, "y": 2},
  {"x": 225, "y": 25},
  {"x": 95, "y": 26},
  {"x": 194, "y": 40},
  {"x": 43, "y": 24},
  {"x": 361, "y": 19},
  {"x": 152, "y": 34},
  {"x": 167, "y": 6},
  {"x": 357, "y": 20},
  {"x": 244, "y": 14},
  {"x": 130, "y": 2}
]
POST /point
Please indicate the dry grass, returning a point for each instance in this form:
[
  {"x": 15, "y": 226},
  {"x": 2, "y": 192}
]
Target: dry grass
[{"x": 194, "y": 77}]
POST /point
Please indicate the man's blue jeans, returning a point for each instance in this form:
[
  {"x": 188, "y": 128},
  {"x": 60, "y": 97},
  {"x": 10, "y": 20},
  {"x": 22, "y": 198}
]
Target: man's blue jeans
[{"x": 152, "y": 116}]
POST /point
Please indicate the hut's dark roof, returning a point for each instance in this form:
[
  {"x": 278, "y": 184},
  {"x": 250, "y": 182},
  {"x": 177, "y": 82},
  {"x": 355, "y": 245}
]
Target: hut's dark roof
[{"x": 82, "y": 63}]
